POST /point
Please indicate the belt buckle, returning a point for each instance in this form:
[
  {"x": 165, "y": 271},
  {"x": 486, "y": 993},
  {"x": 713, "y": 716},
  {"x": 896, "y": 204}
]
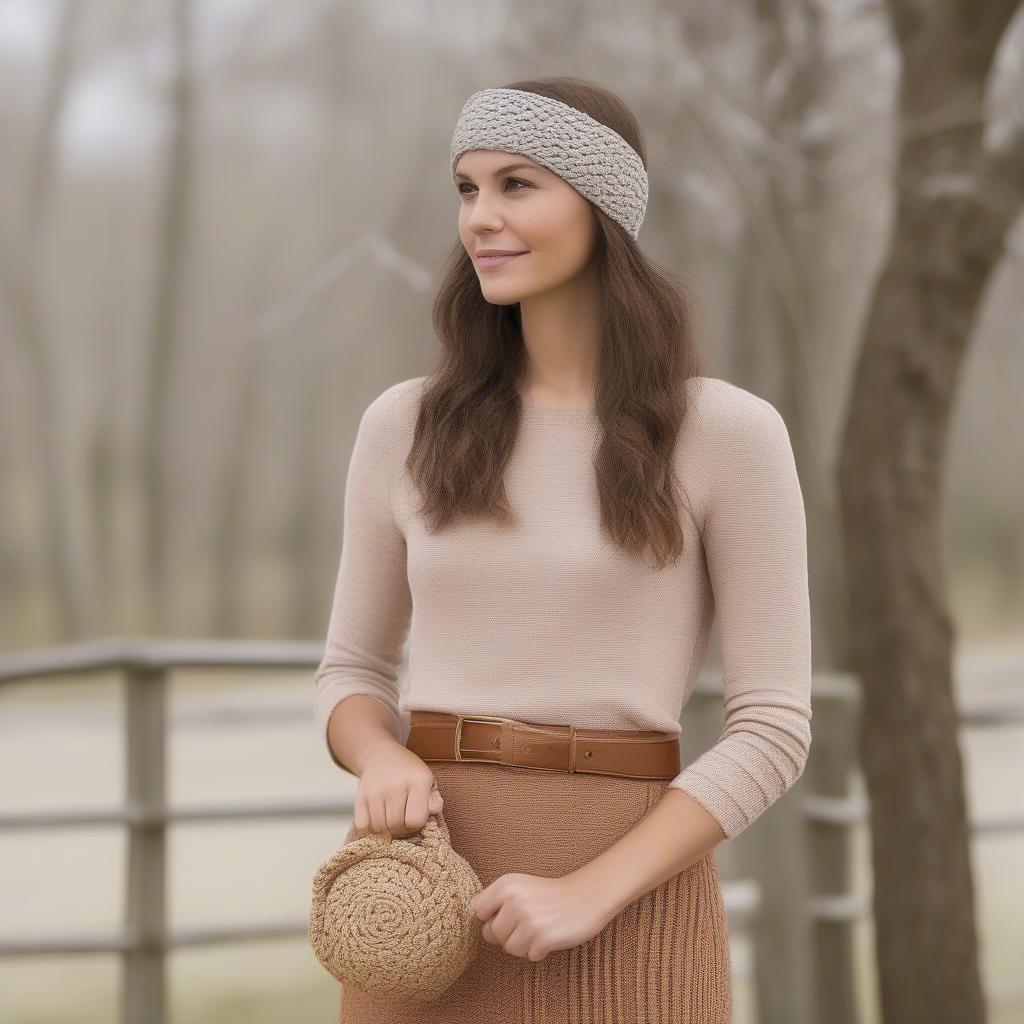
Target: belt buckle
[{"x": 458, "y": 734}]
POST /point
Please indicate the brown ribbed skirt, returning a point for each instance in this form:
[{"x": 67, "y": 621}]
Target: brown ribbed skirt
[{"x": 664, "y": 959}]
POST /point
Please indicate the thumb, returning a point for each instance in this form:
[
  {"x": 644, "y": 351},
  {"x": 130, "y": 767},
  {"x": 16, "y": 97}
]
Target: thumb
[{"x": 436, "y": 800}]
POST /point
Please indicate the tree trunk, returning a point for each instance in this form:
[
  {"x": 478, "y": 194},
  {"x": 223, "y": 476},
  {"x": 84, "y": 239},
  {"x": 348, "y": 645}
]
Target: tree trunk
[
  {"x": 62, "y": 553},
  {"x": 957, "y": 201},
  {"x": 159, "y": 409}
]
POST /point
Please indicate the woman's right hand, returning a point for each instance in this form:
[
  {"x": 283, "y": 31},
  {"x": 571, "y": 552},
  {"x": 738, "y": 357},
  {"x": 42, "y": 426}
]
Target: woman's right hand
[{"x": 396, "y": 793}]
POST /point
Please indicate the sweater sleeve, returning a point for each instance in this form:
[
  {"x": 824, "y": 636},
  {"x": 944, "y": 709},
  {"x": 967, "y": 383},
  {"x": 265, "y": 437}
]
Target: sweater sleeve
[
  {"x": 755, "y": 543},
  {"x": 372, "y": 604}
]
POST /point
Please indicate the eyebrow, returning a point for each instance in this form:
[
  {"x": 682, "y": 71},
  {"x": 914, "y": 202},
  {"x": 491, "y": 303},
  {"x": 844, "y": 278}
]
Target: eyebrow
[{"x": 501, "y": 170}]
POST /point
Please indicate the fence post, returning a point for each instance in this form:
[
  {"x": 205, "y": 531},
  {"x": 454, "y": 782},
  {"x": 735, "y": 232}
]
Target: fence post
[
  {"x": 143, "y": 995},
  {"x": 831, "y": 813}
]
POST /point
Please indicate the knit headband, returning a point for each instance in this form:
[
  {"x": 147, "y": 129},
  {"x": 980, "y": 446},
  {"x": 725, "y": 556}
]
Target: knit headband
[{"x": 598, "y": 162}]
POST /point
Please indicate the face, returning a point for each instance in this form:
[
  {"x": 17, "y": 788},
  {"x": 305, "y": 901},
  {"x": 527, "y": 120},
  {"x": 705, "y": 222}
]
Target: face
[{"x": 522, "y": 208}]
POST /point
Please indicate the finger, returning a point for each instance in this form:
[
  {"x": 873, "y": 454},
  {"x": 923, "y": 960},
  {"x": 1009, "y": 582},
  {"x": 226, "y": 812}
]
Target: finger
[
  {"x": 485, "y": 903},
  {"x": 378, "y": 814},
  {"x": 397, "y": 803},
  {"x": 434, "y": 799},
  {"x": 502, "y": 925},
  {"x": 416, "y": 811},
  {"x": 361, "y": 817},
  {"x": 517, "y": 943}
]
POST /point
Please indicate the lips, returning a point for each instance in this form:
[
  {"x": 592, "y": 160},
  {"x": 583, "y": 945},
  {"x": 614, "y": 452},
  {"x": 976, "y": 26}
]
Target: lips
[{"x": 494, "y": 262}]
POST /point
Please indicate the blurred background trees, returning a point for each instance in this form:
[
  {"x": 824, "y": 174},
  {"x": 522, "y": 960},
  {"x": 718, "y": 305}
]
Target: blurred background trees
[{"x": 221, "y": 225}]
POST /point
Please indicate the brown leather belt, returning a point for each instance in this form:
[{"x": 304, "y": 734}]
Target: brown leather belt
[{"x": 439, "y": 736}]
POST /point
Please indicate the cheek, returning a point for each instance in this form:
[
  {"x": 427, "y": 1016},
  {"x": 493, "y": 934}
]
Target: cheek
[
  {"x": 561, "y": 232},
  {"x": 563, "y": 254}
]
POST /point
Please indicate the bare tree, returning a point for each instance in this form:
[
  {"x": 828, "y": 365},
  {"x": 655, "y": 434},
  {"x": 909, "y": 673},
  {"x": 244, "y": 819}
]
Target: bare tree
[
  {"x": 958, "y": 196},
  {"x": 789, "y": 328},
  {"x": 159, "y": 409},
  {"x": 19, "y": 279}
]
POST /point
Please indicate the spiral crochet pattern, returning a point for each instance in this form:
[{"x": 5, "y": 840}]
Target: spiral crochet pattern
[
  {"x": 394, "y": 916},
  {"x": 598, "y": 162}
]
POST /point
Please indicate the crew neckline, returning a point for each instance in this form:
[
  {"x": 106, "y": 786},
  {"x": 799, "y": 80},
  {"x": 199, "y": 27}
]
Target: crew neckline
[
  {"x": 556, "y": 410},
  {"x": 528, "y": 403}
]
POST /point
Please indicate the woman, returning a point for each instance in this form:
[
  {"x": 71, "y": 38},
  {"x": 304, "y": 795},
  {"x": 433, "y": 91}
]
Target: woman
[{"x": 553, "y": 516}]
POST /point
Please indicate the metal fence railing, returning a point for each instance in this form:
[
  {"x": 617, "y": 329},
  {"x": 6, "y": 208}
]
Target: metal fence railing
[{"x": 804, "y": 860}]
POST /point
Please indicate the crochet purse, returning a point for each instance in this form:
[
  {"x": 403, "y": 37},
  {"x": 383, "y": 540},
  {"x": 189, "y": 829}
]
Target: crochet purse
[{"x": 394, "y": 916}]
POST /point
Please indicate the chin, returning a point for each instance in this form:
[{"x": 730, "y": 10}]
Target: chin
[{"x": 501, "y": 296}]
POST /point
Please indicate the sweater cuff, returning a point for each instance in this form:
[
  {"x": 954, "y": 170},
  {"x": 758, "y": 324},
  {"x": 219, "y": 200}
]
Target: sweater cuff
[{"x": 714, "y": 798}]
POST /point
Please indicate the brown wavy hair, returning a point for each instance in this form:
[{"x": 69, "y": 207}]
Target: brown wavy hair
[{"x": 471, "y": 408}]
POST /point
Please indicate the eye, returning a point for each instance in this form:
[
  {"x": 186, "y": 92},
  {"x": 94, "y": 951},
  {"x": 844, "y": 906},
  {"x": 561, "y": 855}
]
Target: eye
[{"x": 508, "y": 181}]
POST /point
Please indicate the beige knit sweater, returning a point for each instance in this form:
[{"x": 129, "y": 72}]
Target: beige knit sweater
[{"x": 552, "y": 623}]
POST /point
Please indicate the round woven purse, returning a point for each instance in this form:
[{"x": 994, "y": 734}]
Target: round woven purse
[{"x": 394, "y": 916}]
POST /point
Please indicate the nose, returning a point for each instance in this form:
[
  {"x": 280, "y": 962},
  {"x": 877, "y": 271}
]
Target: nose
[{"x": 484, "y": 215}]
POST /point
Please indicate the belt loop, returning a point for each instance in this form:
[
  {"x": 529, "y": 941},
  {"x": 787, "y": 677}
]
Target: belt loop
[
  {"x": 572, "y": 749},
  {"x": 507, "y": 753},
  {"x": 458, "y": 738}
]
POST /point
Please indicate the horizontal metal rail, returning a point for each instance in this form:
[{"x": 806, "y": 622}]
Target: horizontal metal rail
[{"x": 145, "y": 666}]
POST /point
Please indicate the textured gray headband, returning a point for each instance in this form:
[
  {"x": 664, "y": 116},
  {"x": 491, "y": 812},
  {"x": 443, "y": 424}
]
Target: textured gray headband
[{"x": 598, "y": 162}]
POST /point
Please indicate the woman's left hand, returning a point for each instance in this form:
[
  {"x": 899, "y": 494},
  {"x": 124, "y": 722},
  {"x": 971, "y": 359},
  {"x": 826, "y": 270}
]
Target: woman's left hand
[{"x": 531, "y": 916}]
